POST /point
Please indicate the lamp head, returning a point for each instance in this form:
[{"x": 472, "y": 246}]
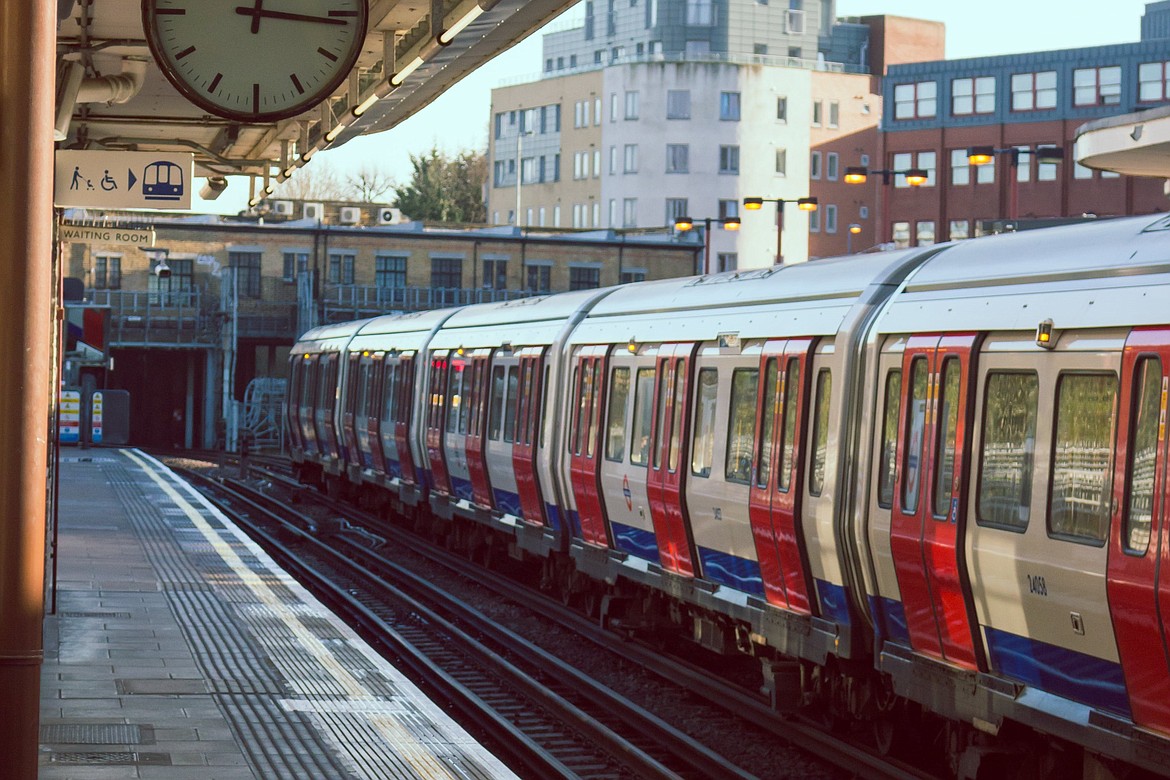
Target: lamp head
[
  {"x": 855, "y": 174},
  {"x": 753, "y": 204},
  {"x": 855, "y": 228},
  {"x": 806, "y": 204},
  {"x": 1050, "y": 154},
  {"x": 684, "y": 224},
  {"x": 980, "y": 155},
  {"x": 916, "y": 177},
  {"x": 731, "y": 223}
]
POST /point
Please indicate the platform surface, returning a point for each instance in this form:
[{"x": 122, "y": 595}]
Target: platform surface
[{"x": 180, "y": 650}]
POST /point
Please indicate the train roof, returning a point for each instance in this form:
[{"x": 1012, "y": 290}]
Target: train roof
[
  {"x": 405, "y": 323},
  {"x": 490, "y": 324},
  {"x": 333, "y": 331},
  {"x": 1100, "y": 274},
  {"x": 810, "y": 299}
]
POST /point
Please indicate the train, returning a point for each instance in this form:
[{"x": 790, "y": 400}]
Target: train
[{"x": 923, "y": 489}]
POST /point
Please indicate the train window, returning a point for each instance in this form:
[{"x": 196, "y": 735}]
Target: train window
[
  {"x": 497, "y": 403},
  {"x": 510, "y": 405},
  {"x": 643, "y": 392},
  {"x": 543, "y": 403},
  {"x": 820, "y": 442},
  {"x": 1009, "y": 438},
  {"x": 768, "y": 420},
  {"x": 390, "y": 387},
  {"x": 364, "y": 379},
  {"x": 888, "y": 457},
  {"x": 741, "y": 433},
  {"x": 948, "y": 434},
  {"x": 678, "y": 404},
  {"x": 1079, "y": 504},
  {"x": 615, "y": 434},
  {"x": 660, "y": 416},
  {"x": 528, "y": 387},
  {"x": 791, "y": 398},
  {"x": 915, "y": 430},
  {"x": 584, "y": 404},
  {"x": 703, "y": 445},
  {"x": 1143, "y": 447},
  {"x": 454, "y": 398}
]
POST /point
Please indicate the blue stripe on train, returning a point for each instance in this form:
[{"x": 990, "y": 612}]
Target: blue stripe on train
[
  {"x": 461, "y": 488},
  {"x": 507, "y": 502},
  {"x": 1084, "y": 678},
  {"x": 637, "y": 542},
  {"x": 889, "y": 618},
  {"x": 732, "y": 571},
  {"x": 553, "y": 513},
  {"x": 834, "y": 604}
]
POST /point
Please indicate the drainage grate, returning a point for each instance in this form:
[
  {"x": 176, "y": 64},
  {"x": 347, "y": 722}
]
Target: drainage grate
[
  {"x": 112, "y": 758},
  {"x": 96, "y": 734},
  {"x": 108, "y": 615}
]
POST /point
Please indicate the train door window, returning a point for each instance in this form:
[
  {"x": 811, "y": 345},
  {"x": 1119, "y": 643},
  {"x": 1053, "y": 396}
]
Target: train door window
[
  {"x": 510, "y": 404},
  {"x": 390, "y": 390},
  {"x": 741, "y": 433},
  {"x": 307, "y": 383},
  {"x": 359, "y": 407},
  {"x": 1143, "y": 446},
  {"x": 791, "y": 398},
  {"x": 497, "y": 403},
  {"x": 888, "y": 457},
  {"x": 454, "y": 397},
  {"x": 820, "y": 441},
  {"x": 767, "y": 421},
  {"x": 915, "y": 430},
  {"x": 660, "y": 416},
  {"x": 677, "y": 404},
  {"x": 543, "y": 404},
  {"x": 643, "y": 393},
  {"x": 585, "y": 401},
  {"x": 615, "y": 434},
  {"x": 948, "y": 432},
  {"x": 1008, "y": 443},
  {"x": 703, "y": 445},
  {"x": 1078, "y": 507}
]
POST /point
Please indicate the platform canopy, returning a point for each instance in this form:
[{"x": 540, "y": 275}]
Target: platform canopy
[
  {"x": 1135, "y": 144},
  {"x": 121, "y": 100}
]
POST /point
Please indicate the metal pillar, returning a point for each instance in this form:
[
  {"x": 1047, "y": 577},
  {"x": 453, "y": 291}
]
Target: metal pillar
[{"x": 27, "y": 40}]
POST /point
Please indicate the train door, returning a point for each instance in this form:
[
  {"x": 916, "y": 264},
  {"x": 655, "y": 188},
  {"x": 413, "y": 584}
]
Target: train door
[
  {"x": 398, "y": 394},
  {"x": 326, "y": 406},
  {"x": 669, "y": 456},
  {"x": 1139, "y": 550},
  {"x": 928, "y": 523},
  {"x": 369, "y": 442},
  {"x": 502, "y": 402},
  {"x": 306, "y": 416},
  {"x": 476, "y": 387},
  {"x": 777, "y": 485},
  {"x": 292, "y": 414},
  {"x": 436, "y": 421},
  {"x": 457, "y": 422},
  {"x": 528, "y": 491},
  {"x": 355, "y": 375},
  {"x": 587, "y": 401}
]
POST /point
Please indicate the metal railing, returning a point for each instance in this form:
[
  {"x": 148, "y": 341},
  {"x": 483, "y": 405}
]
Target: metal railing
[
  {"x": 351, "y": 302},
  {"x": 157, "y": 317}
]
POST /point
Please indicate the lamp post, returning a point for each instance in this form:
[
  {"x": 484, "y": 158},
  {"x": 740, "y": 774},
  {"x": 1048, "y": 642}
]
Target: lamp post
[
  {"x": 804, "y": 204},
  {"x": 519, "y": 169},
  {"x": 983, "y": 155},
  {"x": 687, "y": 223},
  {"x": 858, "y": 174},
  {"x": 854, "y": 229}
]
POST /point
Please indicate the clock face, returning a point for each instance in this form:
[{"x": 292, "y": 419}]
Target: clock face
[{"x": 255, "y": 60}]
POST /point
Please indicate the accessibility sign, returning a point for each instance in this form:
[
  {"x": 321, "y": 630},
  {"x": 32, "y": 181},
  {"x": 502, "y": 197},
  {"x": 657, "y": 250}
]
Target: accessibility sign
[{"x": 123, "y": 180}]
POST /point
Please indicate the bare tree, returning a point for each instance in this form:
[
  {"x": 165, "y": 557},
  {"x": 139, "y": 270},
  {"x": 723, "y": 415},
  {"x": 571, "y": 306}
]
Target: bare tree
[
  {"x": 313, "y": 182},
  {"x": 369, "y": 183}
]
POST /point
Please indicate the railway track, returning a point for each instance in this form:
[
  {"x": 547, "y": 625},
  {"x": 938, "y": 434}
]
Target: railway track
[{"x": 542, "y": 714}]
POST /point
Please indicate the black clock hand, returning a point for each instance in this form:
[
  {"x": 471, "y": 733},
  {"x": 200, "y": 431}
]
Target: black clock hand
[{"x": 258, "y": 12}]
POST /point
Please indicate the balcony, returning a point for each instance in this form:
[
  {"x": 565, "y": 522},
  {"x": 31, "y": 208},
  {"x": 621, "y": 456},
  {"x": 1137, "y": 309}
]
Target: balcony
[{"x": 151, "y": 319}]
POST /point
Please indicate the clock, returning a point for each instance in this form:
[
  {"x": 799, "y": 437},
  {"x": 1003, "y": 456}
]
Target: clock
[{"x": 255, "y": 60}]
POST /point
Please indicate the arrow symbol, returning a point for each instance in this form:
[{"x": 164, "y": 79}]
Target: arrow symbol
[{"x": 132, "y": 178}]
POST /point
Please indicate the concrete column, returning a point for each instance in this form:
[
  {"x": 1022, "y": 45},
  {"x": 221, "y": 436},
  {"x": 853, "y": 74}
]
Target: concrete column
[{"x": 27, "y": 39}]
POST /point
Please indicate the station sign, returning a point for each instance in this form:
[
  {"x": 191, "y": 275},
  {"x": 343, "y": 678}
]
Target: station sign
[
  {"x": 100, "y": 234},
  {"x": 123, "y": 180}
]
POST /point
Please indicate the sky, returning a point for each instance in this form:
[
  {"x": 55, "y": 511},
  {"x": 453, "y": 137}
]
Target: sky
[{"x": 458, "y": 120}]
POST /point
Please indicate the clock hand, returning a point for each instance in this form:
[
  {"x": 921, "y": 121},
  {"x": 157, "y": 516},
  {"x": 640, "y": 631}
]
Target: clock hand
[{"x": 257, "y": 12}]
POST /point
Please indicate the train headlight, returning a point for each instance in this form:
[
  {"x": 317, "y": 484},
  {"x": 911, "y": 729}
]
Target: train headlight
[{"x": 1044, "y": 335}]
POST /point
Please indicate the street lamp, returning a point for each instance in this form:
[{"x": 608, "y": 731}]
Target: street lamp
[
  {"x": 859, "y": 174},
  {"x": 804, "y": 204},
  {"x": 854, "y": 229},
  {"x": 683, "y": 224},
  {"x": 984, "y": 155}
]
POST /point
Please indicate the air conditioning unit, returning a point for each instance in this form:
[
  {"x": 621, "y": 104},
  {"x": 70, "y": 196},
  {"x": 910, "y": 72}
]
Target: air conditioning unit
[
  {"x": 389, "y": 216},
  {"x": 314, "y": 211},
  {"x": 795, "y": 22},
  {"x": 350, "y": 215},
  {"x": 282, "y": 207}
]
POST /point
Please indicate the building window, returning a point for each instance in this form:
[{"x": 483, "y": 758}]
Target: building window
[
  {"x": 726, "y": 261},
  {"x": 677, "y": 158},
  {"x": 584, "y": 278},
  {"x": 818, "y": 111},
  {"x": 107, "y": 272},
  {"x": 675, "y": 208},
  {"x": 960, "y": 168},
  {"x": 1153, "y": 81},
  {"x": 613, "y": 160},
  {"x": 831, "y": 218},
  {"x": 728, "y": 208},
  {"x": 631, "y": 105},
  {"x": 613, "y": 102},
  {"x": 729, "y": 159},
  {"x": 495, "y": 274},
  {"x": 631, "y": 159},
  {"x": 915, "y": 101},
  {"x": 814, "y": 221},
  {"x": 814, "y": 167},
  {"x": 1046, "y": 171},
  {"x": 781, "y": 109},
  {"x": 247, "y": 265},
  {"x": 341, "y": 267},
  {"x": 959, "y": 229},
  {"x": 539, "y": 278},
  {"x": 901, "y": 235},
  {"x": 390, "y": 271},
  {"x": 927, "y": 161},
  {"x": 447, "y": 274},
  {"x": 699, "y": 13},
  {"x": 295, "y": 264},
  {"x": 630, "y": 212},
  {"x": 678, "y": 104},
  {"x": 925, "y": 233},
  {"x": 729, "y": 106},
  {"x": 973, "y": 96},
  {"x": 782, "y": 162},
  {"x": 834, "y": 113},
  {"x": 580, "y": 165},
  {"x": 628, "y": 277},
  {"x": 1034, "y": 91},
  {"x": 832, "y": 165},
  {"x": 1097, "y": 86}
]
